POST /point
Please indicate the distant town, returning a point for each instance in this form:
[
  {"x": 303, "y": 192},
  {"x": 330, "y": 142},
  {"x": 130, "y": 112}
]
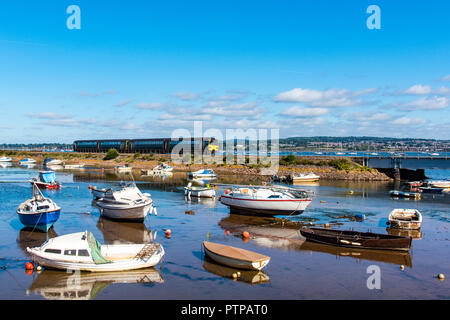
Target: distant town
[{"x": 319, "y": 143}]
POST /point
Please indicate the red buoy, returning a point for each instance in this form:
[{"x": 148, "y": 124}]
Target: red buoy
[
  {"x": 227, "y": 232},
  {"x": 90, "y": 187},
  {"x": 29, "y": 266},
  {"x": 245, "y": 234},
  {"x": 227, "y": 191},
  {"x": 168, "y": 233}
]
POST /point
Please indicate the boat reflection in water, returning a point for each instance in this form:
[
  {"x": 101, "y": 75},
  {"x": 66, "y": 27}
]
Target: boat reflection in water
[
  {"x": 415, "y": 234},
  {"x": 282, "y": 234},
  {"x": 29, "y": 238},
  {"x": 394, "y": 257},
  {"x": 207, "y": 202},
  {"x": 60, "y": 285},
  {"x": 267, "y": 232},
  {"x": 123, "y": 232},
  {"x": 246, "y": 276}
]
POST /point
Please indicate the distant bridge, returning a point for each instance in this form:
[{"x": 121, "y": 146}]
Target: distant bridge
[{"x": 412, "y": 163}]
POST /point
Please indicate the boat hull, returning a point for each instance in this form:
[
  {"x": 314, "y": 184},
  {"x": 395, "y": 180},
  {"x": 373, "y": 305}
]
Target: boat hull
[
  {"x": 50, "y": 186},
  {"x": 353, "y": 239},
  {"x": 40, "y": 221},
  {"x": 125, "y": 213},
  {"x": 204, "y": 193},
  {"x": 123, "y": 265},
  {"x": 265, "y": 207}
]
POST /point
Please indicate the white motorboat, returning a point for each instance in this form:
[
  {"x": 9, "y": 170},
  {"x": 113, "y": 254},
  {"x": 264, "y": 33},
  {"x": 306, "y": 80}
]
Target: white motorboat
[
  {"x": 265, "y": 201},
  {"x": 107, "y": 192},
  {"x": 305, "y": 177},
  {"x": 235, "y": 257},
  {"x": 161, "y": 169},
  {"x": 81, "y": 251},
  {"x": 125, "y": 204},
  {"x": 203, "y": 173},
  {"x": 204, "y": 192},
  {"x": 405, "y": 218},
  {"x": 6, "y": 159},
  {"x": 5, "y": 164},
  {"x": 27, "y": 161},
  {"x": 73, "y": 166},
  {"x": 125, "y": 168},
  {"x": 52, "y": 162},
  {"x": 439, "y": 184}
]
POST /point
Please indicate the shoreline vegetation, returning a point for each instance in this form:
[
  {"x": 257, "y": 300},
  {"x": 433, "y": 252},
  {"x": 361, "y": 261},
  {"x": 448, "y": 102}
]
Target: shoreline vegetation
[{"x": 328, "y": 168}]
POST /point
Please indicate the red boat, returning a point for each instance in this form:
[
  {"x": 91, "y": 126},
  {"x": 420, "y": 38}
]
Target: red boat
[{"x": 46, "y": 180}]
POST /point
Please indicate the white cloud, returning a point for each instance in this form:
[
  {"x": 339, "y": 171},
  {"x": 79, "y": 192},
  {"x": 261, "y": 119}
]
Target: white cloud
[
  {"x": 418, "y": 89},
  {"x": 49, "y": 116},
  {"x": 123, "y": 103},
  {"x": 445, "y": 78},
  {"x": 152, "y": 105},
  {"x": 296, "y": 111},
  {"x": 408, "y": 121},
  {"x": 327, "y": 98},
  {"x": 369, "y": 116},
  {"x": 425, "y": 103},
  {"x": 186, "y": 96}
]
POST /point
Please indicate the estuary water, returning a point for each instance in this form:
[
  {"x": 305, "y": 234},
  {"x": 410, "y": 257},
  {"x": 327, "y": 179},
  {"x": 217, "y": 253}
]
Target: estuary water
[{"x": 297, "y": 270}]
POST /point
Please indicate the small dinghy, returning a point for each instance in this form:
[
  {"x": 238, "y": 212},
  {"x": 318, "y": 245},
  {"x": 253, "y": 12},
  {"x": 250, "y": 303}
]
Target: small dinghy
[
  {"x": 38, "y": 212},
  {"x": 5, "y": 159},
  {"x": 52, "y": 162},
  {"x": 404, "y": 194},
  {"x": 356, "y": 239},
  {"x": 201, "y": 192},
  {"x": 81, "y": 251},
  {"x": 46, "y": 180},
  {"x": 74, "y": 166},
  {"x": 405, "y": 219},
  {"x": 235, "y": 257}
]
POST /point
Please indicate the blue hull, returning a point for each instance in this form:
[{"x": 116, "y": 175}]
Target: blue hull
[{"x": 40, "y": 221}]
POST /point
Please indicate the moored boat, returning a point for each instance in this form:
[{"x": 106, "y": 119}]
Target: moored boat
[
  {"x": 27, "y": 161},
  {"x": 38, "y": 212},
  {"x": 46, "y": 180},
  {"x": 203, "y": 192},
  {"x": 404, "y": 194},
  {"x": 405, "y": 218},
  {"x": 161, "y": 169},
  {"x": 74, "y": 166},
  {"x": 81, "y": 251},
  {"x": 265, "y": 201},
  {"x": 6, "y": 159},
  {"x": 125, "y": 204},
  {"x": 125, "y": 168},
  {"x": 305, "y": 177},
  {"x": 356, "y": 239},
  {"x": 202, "y": 173},
  {"x": 235, "y": 257},
  {"x": 52, "y": 162}
]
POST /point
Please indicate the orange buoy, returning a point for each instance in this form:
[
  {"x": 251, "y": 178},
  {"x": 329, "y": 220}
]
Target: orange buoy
[
  {"x": 227, "y": 232},
  {"x": 29, "y": 266},
  {"x": 168, "y": 233},
  {"x": 90, "y": 187},
  {"x": 245, "y": 234},
  {"x": 227, "y": 191}
]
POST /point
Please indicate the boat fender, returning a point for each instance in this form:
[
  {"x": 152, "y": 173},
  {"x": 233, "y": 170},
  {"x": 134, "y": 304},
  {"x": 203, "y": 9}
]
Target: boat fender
[
  {"x": 356, "y": 243},
  {"x": 441, "y": 276},
  {"x": 344, "y": 241},
  {"x": 154, "y": 211}
]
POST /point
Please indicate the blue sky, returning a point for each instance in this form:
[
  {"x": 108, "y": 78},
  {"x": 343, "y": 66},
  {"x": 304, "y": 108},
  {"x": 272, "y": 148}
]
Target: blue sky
[{"x": 145, "y": 68}]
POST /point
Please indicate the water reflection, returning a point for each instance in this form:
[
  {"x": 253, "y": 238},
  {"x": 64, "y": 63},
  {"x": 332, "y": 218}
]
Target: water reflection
[
  {"x": 246, "y": 276},
  {"x": 207, "y": 202},
  {"x": 415, "y": 234},
  {"x": 33, "y": 238},
  {"x": 123, "y": 232},
  {"x": 60, "y": 285},
  {"x": 394, "y": 257}
]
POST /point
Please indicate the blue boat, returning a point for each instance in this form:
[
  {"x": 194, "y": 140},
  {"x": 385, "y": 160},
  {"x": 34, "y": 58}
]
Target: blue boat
[{"x": 38, "y": 212}]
